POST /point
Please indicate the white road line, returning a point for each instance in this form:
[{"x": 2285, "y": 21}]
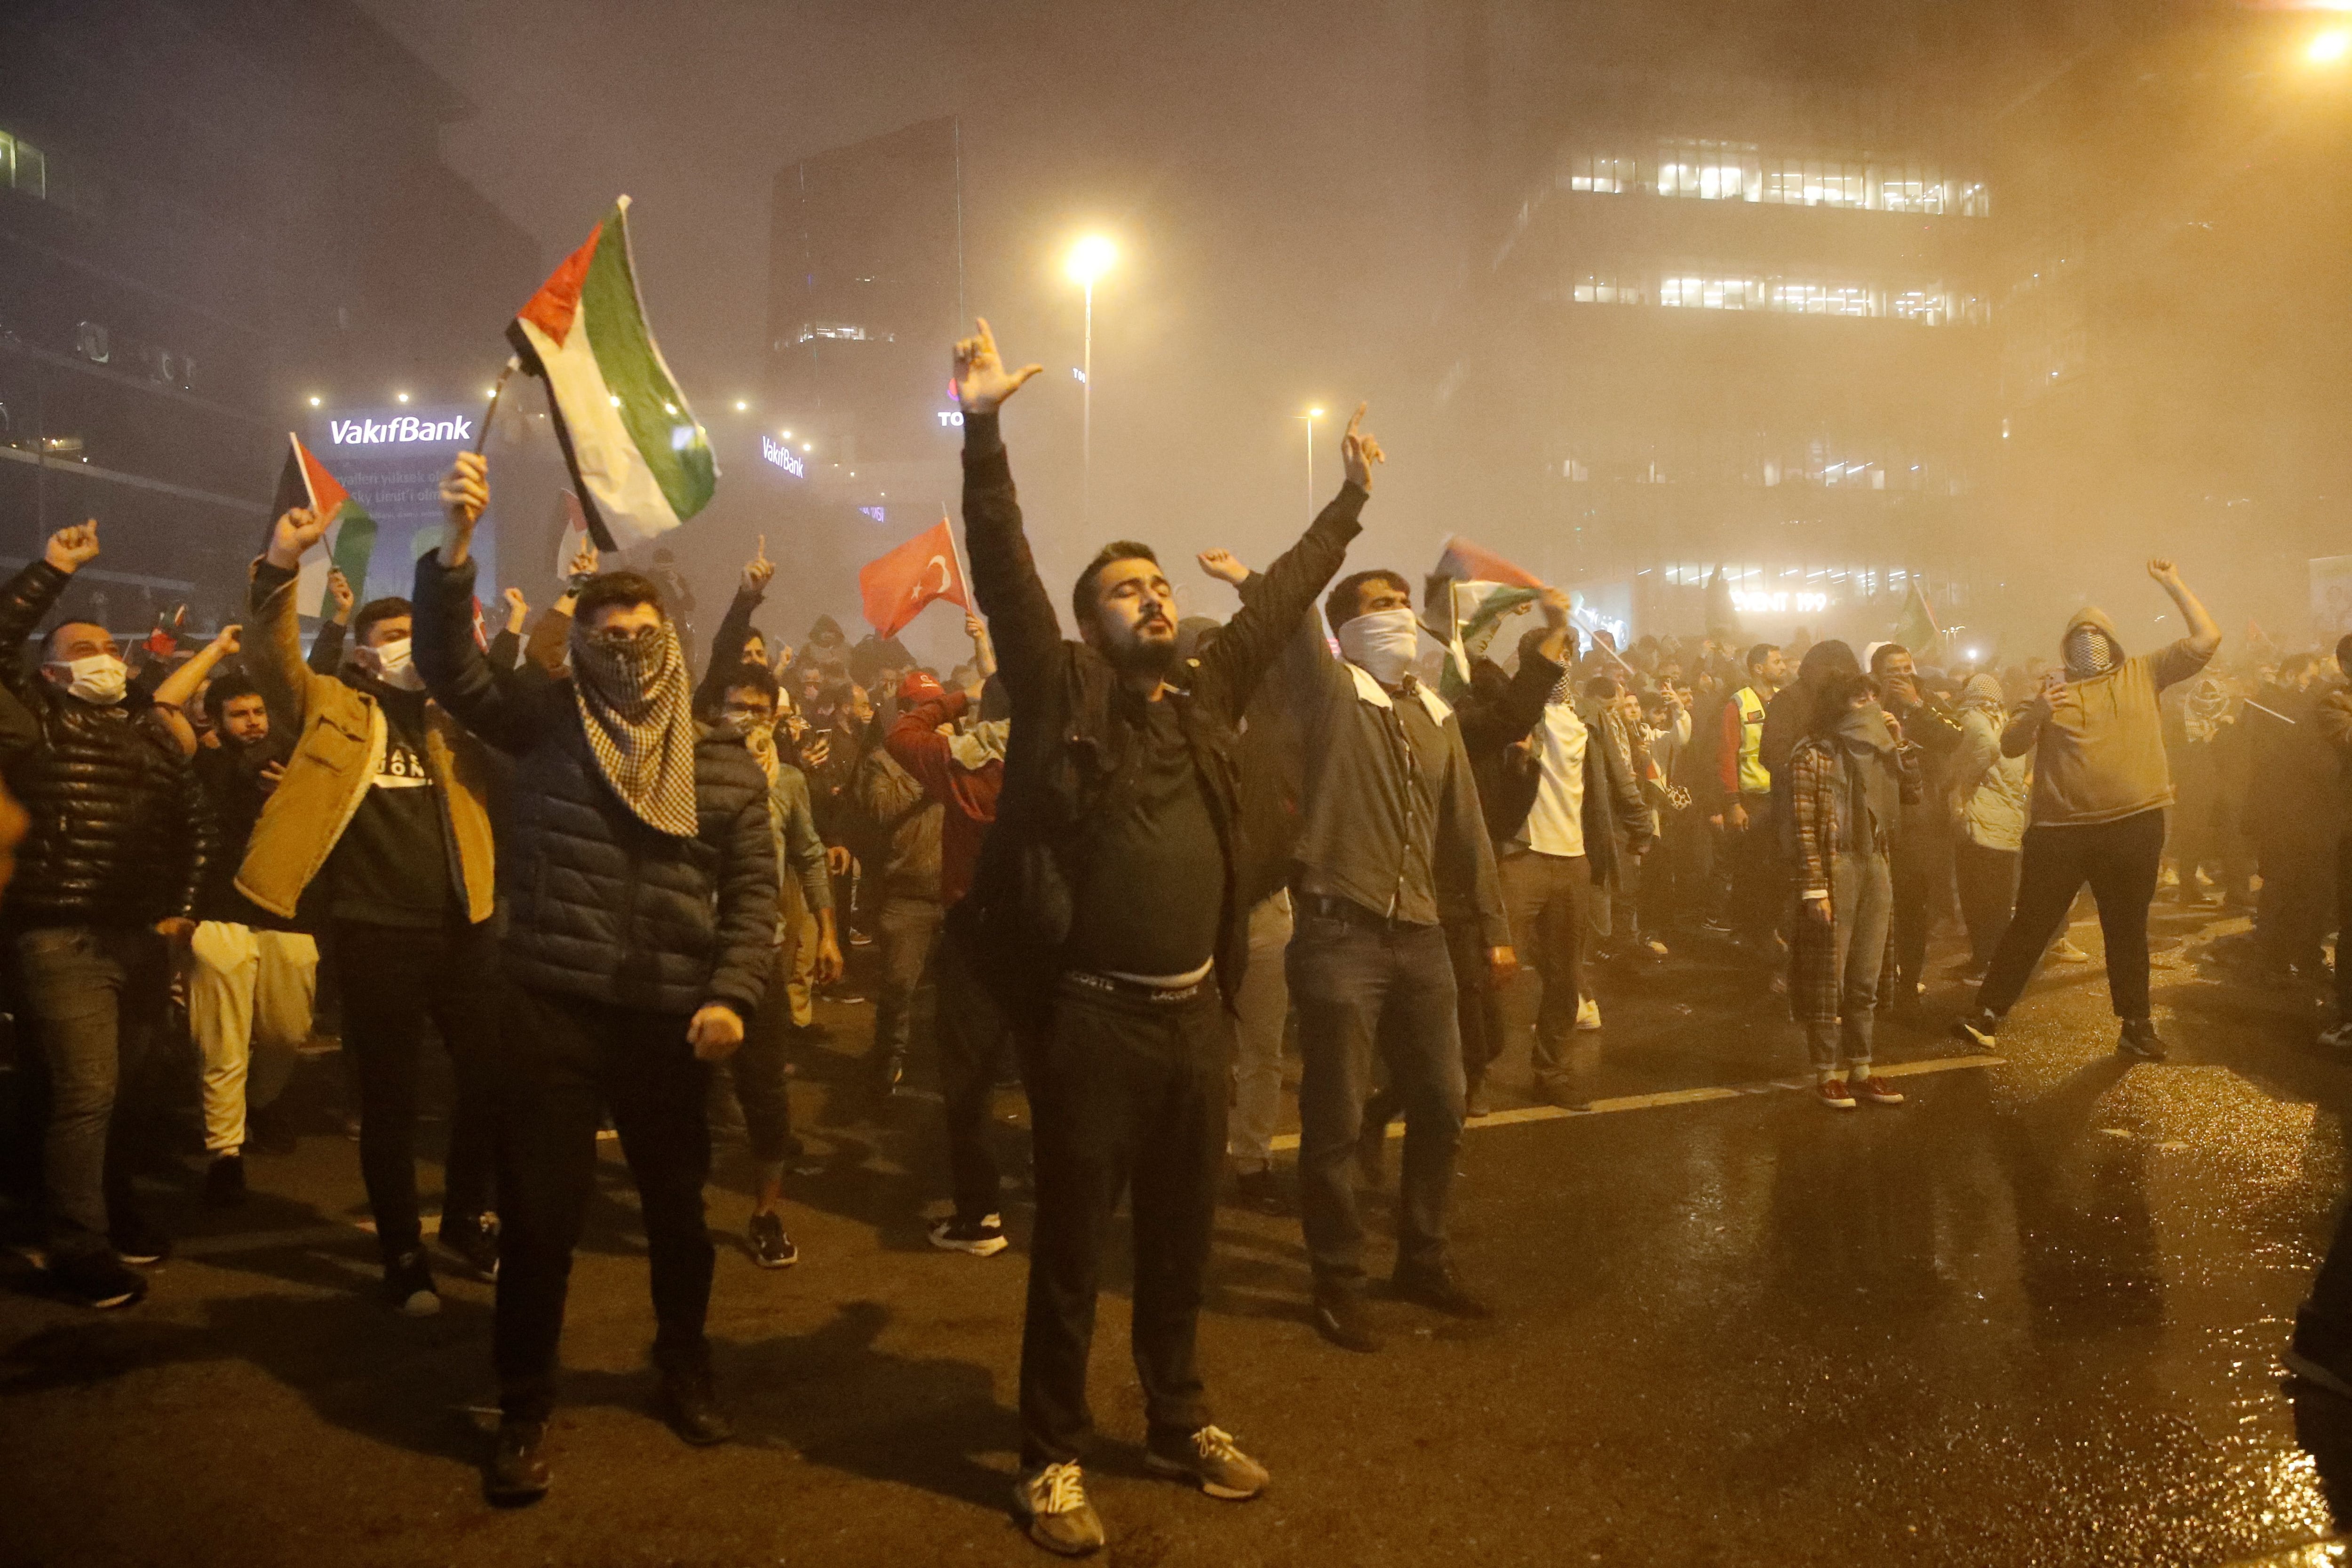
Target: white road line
[{"x": 1289, "y": 1140}]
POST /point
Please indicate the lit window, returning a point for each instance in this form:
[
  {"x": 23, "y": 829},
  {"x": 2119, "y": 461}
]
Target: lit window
[
  {"x": 1609, "y": 176},
  {"x": 1607, "y": 289},
  {"x": 22, "y": 166}
]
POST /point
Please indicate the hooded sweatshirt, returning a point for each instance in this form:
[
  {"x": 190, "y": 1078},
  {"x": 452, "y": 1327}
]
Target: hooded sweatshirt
[
  {"x": 2099, "y": 757},
  {"x": 1992, "y": 789}
]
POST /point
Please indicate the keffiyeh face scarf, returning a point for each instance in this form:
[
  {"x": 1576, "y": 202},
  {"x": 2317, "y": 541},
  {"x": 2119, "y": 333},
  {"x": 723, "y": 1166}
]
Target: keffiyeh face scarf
[
  {"x": 633, "y": 704},
  {"x": 2090, "y": 653}
]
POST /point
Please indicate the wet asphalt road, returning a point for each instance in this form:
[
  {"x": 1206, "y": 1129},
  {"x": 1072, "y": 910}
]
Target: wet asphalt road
[{"x": 2032, "y": 1317}]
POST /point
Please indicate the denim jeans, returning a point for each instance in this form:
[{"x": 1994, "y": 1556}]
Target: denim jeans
[
  {"x": 905, "y": 930},
  {"x": 95, "y": 998},
  {"x": 1263, "y": 1009},
  {"x": 1861, "y": 902},
  {"x": 1362, "y": 985}
]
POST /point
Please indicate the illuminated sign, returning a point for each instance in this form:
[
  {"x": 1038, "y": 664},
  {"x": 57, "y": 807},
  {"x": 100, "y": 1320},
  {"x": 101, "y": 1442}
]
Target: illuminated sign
[
  {"x": 950, "y": 416},
  {"x": 876, "y": 512},
  {"x": 401, "y": 430},
  {"x": 783, "y": 457}
]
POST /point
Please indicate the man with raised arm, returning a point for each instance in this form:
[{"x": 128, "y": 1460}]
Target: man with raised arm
[
  {"x": 106, "y": 885},
  {"x": 1104, "y": 909},
  {"x": 2101, "y": 788},
  {"x": 638, "y": 877}
]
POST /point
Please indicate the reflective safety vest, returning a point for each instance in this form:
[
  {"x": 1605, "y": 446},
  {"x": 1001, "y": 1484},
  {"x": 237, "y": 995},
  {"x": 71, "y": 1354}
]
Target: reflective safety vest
[{"x": 1755, "y": 778}]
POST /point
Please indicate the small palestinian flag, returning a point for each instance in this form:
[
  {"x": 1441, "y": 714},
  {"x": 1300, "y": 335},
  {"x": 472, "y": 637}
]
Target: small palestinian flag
[
  {"x": 640, "y": 462},
  {"x": 1916, "y": 630},
  {"x": 1487, "y": 591},
  {"x": 351, "y": 532}
]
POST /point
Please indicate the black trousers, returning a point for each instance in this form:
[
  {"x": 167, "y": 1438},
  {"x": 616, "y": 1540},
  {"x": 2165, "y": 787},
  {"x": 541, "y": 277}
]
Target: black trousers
[
  {"x": 2119, "y": 859},
  {"x": 970, "y": 1034},
  {"x": 756, "y": 1073},
  {"x": 1922, "y": 866},
  {"x": 1988, "y": 881},
  {"x": 2298, "y": 894},
  {"x": 562, "y": 1063},
  {"x": 393, "y": 978},
  {"x": 1124, "y": 1092}
]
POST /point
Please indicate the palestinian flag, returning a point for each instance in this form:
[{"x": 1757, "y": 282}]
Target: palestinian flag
[
  {"x": 350, "y": 543},
  {"x": 1484, "y": 591},
  {"x": 1917, "y": 630},
  {"x": 640, "y": 462}
]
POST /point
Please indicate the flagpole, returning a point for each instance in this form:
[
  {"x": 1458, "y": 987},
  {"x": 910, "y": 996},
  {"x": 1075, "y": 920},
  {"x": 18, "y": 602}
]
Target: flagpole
[
  {"x": 962, "y": 576},
  {"x": 497, "y": 389}
]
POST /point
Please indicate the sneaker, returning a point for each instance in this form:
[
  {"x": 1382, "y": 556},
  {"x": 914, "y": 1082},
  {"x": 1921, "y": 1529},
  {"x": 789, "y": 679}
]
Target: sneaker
[
  {"x": 1876, "y": 1090},
  {"x": 1654, "y": 947},
  {"x": 137, "y": 1241},
  {"x": 1441, "y": 1291},
  {"x": 771, "y": 1247},
  {"x": 1262, "y": 1191},
  {"x": 983, "y": 1238},
  {"x": 517, "y": 1471},
  {"x": 1588, "y": 1014},
  {"x": 1477, "y": 1100},
  {"x": 1340, "y": 1318},
  {"x": 2065, "y": 952},
  {"x": 225, "y": 1182},
  {"x": 1051, "y": 1500},
  {"x": 1980, "y": 1029},
  {"x": 1209, "y": 1460},
  {"x": 96, "y": 1280},
  {"x": 408, "y": 1286},
  {"x": 690, "y": 1405},
  {"x": 2338, "y": 1038},
  {"x": 1835, "y": 1095},
  {"x": 2139, "y": 1039},
  {"x": 474, "y": 1238}
]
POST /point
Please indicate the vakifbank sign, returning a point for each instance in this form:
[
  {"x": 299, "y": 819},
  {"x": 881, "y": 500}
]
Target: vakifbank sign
[
  {"x": 783, "y": 457},
  {"x": 393, "y": 459},
  {"x": 405, "y": 430}
]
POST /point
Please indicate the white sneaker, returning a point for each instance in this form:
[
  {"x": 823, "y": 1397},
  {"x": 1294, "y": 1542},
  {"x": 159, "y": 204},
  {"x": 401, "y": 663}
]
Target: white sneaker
[
  {"x": 2338, "y": 1038},
  {"x": 2065, "y": 952},
  {"x": 1588, "y": 1014},
  {"x": 1052, "y": 1502}
]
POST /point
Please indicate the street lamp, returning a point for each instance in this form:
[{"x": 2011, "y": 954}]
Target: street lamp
[
  {"x": 2330, "y": 47},
  {"x": 1089, "y": 259},
  {"x": 1309, "y": 420}
]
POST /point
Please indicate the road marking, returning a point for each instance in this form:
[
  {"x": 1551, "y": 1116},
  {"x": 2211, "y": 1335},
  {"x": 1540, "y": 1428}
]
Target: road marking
[{"x": 1289, "y": 1140}]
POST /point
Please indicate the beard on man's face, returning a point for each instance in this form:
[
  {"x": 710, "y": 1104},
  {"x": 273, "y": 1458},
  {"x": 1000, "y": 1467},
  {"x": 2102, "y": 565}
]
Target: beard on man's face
[{"x": 1147, "y": 648}]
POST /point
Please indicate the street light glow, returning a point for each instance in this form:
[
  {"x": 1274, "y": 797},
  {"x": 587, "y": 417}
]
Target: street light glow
[
  {"x": 400, "y": 397},
  {"x": 741, "y": 406},
  {"x": 1315, "y": 414},
  {"x": 1090, "y": 258},
  {"x": 2329, "y": 48},
  {"x": 314, "y": 403}
]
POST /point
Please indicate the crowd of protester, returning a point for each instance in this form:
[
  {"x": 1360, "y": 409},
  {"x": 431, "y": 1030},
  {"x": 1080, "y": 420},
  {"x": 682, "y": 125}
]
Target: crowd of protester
[{"x": 1131, "y": 870}]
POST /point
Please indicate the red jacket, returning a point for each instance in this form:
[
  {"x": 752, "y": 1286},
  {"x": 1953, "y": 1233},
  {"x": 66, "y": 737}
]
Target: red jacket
[{"x": 916, "y": 745}]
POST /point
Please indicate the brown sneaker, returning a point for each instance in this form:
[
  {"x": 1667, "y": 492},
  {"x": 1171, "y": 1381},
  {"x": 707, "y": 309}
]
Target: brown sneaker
[
  {"x": 1876, "y": 1090},
  {"x": 1834, "y": 1095}
]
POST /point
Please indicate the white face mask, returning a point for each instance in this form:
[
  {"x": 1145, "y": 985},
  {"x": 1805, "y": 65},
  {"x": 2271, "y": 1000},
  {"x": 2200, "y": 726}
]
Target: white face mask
[
  {"x": 99, "y": 678},
  {"x": 392, "y": 663},
  {"x": 1381, "y": 643}
]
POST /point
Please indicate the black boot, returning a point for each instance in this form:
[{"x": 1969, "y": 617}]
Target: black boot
[{"x": 689, "y": 1402}]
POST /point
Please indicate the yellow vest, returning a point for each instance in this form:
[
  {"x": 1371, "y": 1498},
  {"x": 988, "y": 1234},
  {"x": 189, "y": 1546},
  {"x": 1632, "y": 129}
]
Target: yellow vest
[{"x": 1755, "y": 778}]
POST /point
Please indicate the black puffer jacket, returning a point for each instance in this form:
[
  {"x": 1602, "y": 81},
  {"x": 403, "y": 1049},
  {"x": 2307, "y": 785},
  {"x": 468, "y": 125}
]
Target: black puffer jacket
[
  {"x": 121, "y": 833},
  {"x": 599, "y": 904}
]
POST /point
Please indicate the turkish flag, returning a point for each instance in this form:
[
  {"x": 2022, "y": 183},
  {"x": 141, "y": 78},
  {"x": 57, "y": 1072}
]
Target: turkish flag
[{"x": 897, "y": 587}]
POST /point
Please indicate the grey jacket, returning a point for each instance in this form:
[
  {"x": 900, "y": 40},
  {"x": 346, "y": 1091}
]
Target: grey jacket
[{"x": 1391, "y": 819}]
